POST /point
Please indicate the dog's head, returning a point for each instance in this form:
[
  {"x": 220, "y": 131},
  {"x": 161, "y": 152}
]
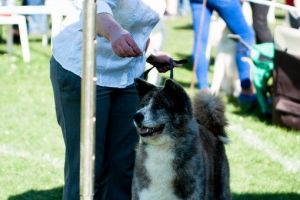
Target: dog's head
[{"x": 162, "y": 110}]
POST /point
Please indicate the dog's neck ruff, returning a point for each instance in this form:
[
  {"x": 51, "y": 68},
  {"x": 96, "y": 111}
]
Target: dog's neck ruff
[
  {"x": 158, "y": 165},
  {"x": 162, "y": 140}
]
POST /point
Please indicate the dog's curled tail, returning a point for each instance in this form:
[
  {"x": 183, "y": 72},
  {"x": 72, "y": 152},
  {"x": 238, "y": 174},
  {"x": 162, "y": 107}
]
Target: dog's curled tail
[{"x": 209, "y": 112}]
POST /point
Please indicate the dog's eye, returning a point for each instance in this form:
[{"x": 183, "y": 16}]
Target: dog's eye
[
  {"x": 158, "y": 104},
  {"x": 144, "y": 102}
]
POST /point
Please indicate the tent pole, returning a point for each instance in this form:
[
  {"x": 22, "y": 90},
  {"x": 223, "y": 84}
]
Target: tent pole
[{"x": 88, "y": 100}]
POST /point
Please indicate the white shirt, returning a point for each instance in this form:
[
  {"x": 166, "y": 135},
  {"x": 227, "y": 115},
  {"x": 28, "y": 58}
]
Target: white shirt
[{"x": 137, "y": 16}]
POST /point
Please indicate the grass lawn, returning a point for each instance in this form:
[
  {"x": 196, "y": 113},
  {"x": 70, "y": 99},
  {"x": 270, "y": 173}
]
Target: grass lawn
[{"x": 264, "y": 159}]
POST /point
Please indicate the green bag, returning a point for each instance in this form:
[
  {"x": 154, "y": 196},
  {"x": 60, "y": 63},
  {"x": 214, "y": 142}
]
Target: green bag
[{"x": 262, "y": 57}]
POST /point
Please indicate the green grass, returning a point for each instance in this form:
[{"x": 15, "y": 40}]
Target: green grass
[
  {"x": 30, "y": 139},
  {"x": 31, "y": 145}
]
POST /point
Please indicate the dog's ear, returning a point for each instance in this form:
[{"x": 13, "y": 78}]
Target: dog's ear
[
  {"x": 173, "y": 88},
  {"x": 143, "y": 87},
  {"x": 177, "y": 94}
]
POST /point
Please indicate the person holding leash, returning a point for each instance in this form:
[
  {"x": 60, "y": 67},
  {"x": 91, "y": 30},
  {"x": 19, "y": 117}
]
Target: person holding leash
[
  {"x": 123, "y": 29},
  {"x": 230, "y": 11}
]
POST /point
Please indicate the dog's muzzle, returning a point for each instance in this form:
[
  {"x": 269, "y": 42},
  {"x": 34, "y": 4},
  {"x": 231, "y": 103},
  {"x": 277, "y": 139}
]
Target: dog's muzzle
[
  {"x": 143, "y": 130},
  {"x": 138, "y": 118}
]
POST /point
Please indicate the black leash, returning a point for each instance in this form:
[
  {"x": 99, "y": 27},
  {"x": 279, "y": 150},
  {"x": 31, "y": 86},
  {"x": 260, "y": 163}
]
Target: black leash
[{"x": 173, "y": 63}]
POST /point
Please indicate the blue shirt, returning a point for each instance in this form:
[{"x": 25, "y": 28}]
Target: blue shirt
[{"x": 138, "y": 17}]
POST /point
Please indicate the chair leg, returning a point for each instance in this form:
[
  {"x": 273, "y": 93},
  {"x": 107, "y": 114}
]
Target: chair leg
[
  {"x": 24, "y": 39},
  {"x": 45, "y": 39},
  {"x": 10, "y": 39}
]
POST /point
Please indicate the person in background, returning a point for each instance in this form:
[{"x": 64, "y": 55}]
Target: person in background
[
  {"x": 183, "y": 8},
  {"x": 260, "y": 23},
  {"x": 231, "y": 13},
  {"x": 294, "y": 17},
  {"x": 37, "y": 24},
  {"x": 123, "y": 29}
]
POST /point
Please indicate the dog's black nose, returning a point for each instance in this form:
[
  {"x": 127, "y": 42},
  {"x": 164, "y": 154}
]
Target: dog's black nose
[{"x": 138, "y": 117}]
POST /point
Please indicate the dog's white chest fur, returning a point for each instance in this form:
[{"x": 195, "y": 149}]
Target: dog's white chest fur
[{"x": 159, "y": 168}]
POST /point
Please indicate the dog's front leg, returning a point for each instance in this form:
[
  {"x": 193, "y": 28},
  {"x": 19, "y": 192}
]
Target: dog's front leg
[{"x": 134, "y": 189}]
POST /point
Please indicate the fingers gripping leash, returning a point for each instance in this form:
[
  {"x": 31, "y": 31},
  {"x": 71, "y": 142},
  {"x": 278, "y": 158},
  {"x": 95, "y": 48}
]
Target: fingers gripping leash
[{"x": 172, "y": 63}]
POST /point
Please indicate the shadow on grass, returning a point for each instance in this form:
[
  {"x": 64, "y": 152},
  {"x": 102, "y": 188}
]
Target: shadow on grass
[
  {"x": 279, "y": 16},
  {"x": 184, "y": 27},
  {"x": 3, "y": 52},
  {"x": 51, "y": 194},
  {"x": 251, "y": 110},
  {"x": 267, "y": 196},
  {"x": 56, "y": 194},
  {"x": 2, "y": 40}
]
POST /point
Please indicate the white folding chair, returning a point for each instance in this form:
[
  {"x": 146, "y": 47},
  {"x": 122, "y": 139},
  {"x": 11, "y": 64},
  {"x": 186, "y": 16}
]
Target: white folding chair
[{"x": 19, "y": 20}]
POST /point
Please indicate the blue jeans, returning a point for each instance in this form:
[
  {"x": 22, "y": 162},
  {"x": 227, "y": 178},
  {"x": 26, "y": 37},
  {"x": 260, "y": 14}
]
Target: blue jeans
[
  {"x": 230, "y": 11},
  {"x": 37, "y": 24},
  {"x": 116, "y": 137}
]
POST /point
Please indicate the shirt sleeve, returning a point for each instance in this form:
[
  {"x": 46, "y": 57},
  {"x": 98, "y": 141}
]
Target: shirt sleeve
[
  {"x": 102, "y": 6},
  {"x": 106, "y": 6}
]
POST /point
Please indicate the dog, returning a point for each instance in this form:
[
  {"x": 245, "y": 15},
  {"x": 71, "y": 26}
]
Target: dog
[
  {"x": 225, "y": 76},
  {"x": 181, "y": 153}
]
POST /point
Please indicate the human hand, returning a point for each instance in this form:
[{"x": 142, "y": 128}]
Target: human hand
[
  {"x": 124, "y": 45},
  {"x": 162, "y": 62}
]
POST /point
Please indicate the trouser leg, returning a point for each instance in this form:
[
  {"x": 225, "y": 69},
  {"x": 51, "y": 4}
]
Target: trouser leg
[
  {"x": 200, "y": 42},
  {"x": 122, "y": 140},
  {"x": 103, "y": 106},
  {"x": 115, "y": 135},
  {"x": 260, "y": 23},
  {"x": 66, "y": 88},
  {"x": 232, "y": 14}
]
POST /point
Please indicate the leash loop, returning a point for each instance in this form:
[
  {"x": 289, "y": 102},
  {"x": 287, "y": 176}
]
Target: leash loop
[{"x": 173, "y": 63}]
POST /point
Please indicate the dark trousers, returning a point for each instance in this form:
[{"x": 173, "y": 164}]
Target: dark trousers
[
  {"x": 260, "y": 23},
  {"x": 294, "y": 22},
  {"x": 115, "y": 135}
]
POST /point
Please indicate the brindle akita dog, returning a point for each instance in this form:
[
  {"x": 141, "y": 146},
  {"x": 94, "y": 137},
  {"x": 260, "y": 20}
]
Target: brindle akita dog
[{"x": 181, "y": 153}]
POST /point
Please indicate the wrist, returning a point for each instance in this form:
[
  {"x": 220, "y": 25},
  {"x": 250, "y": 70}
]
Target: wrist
[{"x": 117, "y": 33}]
